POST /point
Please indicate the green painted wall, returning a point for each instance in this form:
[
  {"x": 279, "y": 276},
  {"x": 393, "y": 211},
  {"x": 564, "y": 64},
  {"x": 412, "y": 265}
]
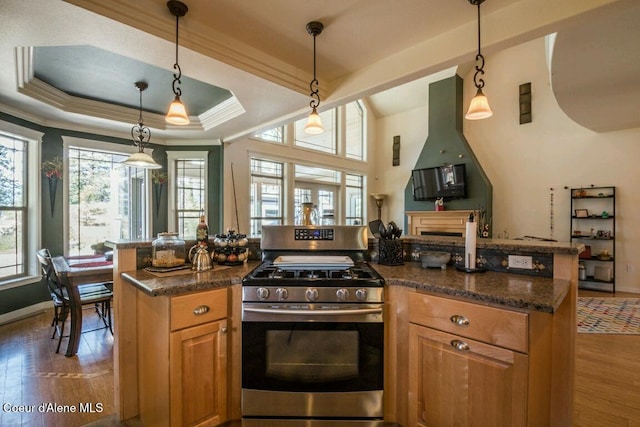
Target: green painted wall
[
  {"x": 52, "y": 225},
  {"x": 445, "y": 144}
]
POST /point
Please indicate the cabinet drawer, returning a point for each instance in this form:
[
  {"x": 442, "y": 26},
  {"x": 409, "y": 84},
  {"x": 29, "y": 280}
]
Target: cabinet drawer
[
  {"x": 505, "y": 328},
  {"x": 198, "y": 308}
]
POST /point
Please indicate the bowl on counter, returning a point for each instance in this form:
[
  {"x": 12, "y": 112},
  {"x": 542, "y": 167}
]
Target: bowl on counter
[{"x": 434, "y": 259}]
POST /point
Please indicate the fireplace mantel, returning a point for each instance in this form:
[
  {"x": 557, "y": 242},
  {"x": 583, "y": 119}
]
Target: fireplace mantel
[{"x": 437, "y": 223}]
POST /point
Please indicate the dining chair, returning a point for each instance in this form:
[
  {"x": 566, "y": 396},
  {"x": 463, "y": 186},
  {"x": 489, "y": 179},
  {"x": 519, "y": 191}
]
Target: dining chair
[
  {"x": 92, "y": 295},
  {"x": 59, "y": 313}
]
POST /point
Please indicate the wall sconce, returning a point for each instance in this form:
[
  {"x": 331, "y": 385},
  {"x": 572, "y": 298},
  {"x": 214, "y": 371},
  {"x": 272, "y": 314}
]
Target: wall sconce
[
  {"x": 479, "y": 107},
  {"x": 140, "y": 134},
  {"x": 314, "y": 123},
  {"x": 177, "y": 113}
]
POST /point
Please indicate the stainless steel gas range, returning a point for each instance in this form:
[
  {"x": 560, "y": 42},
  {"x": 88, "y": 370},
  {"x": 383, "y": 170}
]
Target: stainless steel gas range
[{"x": 312, "y": 325}]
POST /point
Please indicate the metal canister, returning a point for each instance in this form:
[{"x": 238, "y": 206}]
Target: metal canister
[{"x": 582, "y": 272}]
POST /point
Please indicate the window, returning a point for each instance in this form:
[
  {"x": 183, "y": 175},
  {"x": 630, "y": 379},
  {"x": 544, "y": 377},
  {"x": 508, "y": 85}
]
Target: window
[
  {"x": 187, "y": 190},
  {"x": 354, "y": 197},
  {"x": 354, "y": 138},
  {"x": 326, "y": 141},
  {"x": 271, "y": 135},
  {"x": 13, "y": 206},
  {"x": 19, "y": 203},
  {"x": 319, "y": 186},
  {"x": 267, "y": 185},
  {"x": 337, "y": 195},
  {"x": 190, "y": 195},
  {"x": 105, "y": 199}
]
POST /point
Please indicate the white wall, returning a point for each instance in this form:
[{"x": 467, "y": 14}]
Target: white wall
[
  {"x": 413, "y": 129},
  {"x": 524, "y": 162}
]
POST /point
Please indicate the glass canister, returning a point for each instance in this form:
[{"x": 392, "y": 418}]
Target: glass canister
[{"x": 168, "y": 250}]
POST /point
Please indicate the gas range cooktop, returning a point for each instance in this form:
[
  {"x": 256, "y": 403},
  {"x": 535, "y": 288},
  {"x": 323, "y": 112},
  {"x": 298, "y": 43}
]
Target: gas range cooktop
[
  {"x": 361, "y": 274},
  {"x": 313, "y": 264}
]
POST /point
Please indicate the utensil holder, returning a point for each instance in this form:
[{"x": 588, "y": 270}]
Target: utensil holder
[{"x": 390, "y": 252}]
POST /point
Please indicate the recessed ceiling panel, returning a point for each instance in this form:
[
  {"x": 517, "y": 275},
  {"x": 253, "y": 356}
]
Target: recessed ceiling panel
[{"x": 96, "y": 74}]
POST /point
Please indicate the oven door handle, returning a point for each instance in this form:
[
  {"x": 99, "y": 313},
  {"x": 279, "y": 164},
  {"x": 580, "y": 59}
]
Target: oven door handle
[{"x": 313, "y": 312}]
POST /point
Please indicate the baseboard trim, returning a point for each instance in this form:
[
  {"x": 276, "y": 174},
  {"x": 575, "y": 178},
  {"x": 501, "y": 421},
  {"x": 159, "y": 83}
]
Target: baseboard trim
[{"x": 29, "y": 311}]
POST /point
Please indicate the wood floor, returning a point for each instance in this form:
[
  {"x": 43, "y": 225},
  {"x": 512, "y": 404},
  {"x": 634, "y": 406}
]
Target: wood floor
[{"x": 607, "y": 381}]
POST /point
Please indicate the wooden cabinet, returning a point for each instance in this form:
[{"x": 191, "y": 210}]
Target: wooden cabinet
[
  {"x": 459, "y": 381},
  {"x": 472, "y": 364},
  {"x": 198, "y": 375},
  {"x": 182, "y": 359}
]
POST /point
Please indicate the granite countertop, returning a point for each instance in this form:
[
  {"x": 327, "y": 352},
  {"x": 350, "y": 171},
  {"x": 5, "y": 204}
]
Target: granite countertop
[
  {"x": 533, "y": 246},
  {"x": 511, "y": 290},
  {"x": 218, "y": 277}
]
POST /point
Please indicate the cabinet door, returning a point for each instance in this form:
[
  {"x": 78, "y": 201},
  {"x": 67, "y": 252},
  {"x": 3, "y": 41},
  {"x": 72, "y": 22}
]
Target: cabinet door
[
  {"x": 456, "y": 381},
  {"x": 198, "y": 375}
]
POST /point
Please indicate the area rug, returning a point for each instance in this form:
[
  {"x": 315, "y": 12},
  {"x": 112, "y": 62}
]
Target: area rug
[{"x": 608, "y": 315}]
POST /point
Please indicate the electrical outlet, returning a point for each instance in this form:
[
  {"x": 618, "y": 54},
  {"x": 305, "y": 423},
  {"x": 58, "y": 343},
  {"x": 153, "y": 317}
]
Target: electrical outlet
[{"x": 520, "y": 261}]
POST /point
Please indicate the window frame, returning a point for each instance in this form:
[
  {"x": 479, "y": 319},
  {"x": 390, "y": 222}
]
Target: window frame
[
  {"x": 283, "y": 190},
  {"x": 33, "y": 200},
  {"x": 101, "y": 146},
  {"x": 172, "y": 199},
  {"x": 289, "y": 186}
]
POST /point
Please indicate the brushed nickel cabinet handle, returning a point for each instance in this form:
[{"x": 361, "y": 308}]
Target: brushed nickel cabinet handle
[
  {"x": 460, "y": 345},
  {"x": 459, "y": 320},
  {"x": 201, "y": 310}
]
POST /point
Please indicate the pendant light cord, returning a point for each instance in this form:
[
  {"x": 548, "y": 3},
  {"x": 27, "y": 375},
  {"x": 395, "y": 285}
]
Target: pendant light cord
[
  {"x": 176, "y": 77},
  {"x": 314, "y": 28},
  {"x": 140, "y": 134},
  {"x": 313, "y": 86},
  {"x": 477, "y": 79}
]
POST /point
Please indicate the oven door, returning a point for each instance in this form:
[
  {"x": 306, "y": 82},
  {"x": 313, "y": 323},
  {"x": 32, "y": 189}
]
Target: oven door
[{"x": 293, "y": 367}]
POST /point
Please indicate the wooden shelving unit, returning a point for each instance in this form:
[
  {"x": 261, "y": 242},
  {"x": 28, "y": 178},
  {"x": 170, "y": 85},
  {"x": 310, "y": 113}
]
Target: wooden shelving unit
[{"x": 593, "y": 222}]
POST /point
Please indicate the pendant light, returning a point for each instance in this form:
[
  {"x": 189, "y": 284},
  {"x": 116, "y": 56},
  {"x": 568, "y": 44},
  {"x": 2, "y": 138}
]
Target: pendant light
[
  {"x": 479, "y": 107},
  {"x": 140, "y": 134},
  {"x": 314, "y": 123},
  {"x": 177, "y": 113}
]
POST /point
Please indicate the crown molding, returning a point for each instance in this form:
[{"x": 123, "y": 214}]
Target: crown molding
[
  {"x": 201, "y": 39},
  {"x": 29, "y": 85}
]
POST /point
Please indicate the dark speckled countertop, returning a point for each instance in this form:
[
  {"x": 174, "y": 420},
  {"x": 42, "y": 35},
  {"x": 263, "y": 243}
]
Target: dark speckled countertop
[
  {"x": 219, "y": 277},
  {"x": 512, "y": 290}
]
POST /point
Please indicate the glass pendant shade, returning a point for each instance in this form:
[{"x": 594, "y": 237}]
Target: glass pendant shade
[
  {"x": 479, "y": 107},
  {"x": 141, "y": 160},
  {"x": 177, "y": 114},
  {"x": 314, "y": 123}
]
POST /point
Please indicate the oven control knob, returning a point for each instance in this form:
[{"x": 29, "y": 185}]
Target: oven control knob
[
  {"x": 262, "y": 293},
  {"x": 282, "y": 294},
  {"x": 342, "y": 294},
  {"x": 361, "y": 294},
  {"x": 311, "y": 294}
]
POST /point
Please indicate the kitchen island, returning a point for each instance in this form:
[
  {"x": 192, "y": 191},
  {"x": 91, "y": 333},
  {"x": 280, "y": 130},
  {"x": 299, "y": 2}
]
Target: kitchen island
[{"x": 541, "y": 308}]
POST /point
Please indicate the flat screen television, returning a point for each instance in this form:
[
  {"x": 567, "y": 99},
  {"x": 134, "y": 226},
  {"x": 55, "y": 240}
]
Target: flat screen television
[{"x": 448, "y": 182}]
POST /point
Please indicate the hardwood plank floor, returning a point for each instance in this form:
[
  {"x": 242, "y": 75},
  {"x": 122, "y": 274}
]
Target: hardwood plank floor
[
  {"x": 607, "y": 380},
  {"x": 32, "y": 375},
  {"x": 607, "y": 377}
]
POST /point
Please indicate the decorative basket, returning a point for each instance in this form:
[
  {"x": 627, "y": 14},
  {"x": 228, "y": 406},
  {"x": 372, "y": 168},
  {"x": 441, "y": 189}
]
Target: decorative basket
[{"x": 390, "y": 252}]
